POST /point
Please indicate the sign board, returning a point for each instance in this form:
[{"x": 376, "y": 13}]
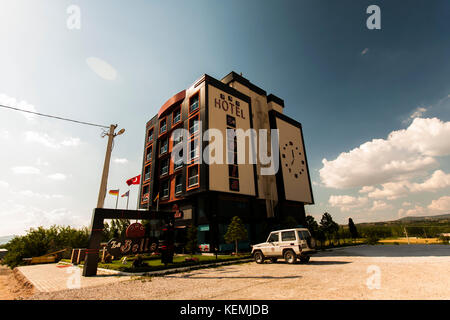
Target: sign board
[
  {"x": 131, "y": 246},
  {"x": 135, "y": 230}
]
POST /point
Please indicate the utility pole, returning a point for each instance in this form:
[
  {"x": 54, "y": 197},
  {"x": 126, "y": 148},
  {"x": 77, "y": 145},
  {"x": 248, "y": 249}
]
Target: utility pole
[
  {"x": 103, "y": 185},
  {"x": 404, "y": 228}
]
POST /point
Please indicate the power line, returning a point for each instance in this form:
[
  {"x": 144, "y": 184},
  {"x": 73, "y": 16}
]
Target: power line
[{"x": 54, "y": 117}]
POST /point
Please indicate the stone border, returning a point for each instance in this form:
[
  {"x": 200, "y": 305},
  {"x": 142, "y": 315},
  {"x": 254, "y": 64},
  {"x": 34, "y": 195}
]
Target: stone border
[{"x": 170, "y": 270}]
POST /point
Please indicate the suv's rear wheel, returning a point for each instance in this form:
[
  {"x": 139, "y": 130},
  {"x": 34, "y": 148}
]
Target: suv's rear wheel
[
  {"x": 259, "y": 257},
  {"x": 305, "y": 259},
  {"x": 289, "y": 256}
]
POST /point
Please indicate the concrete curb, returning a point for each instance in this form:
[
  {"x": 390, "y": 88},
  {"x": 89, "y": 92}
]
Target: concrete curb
[{"x": 172, "y": 270}]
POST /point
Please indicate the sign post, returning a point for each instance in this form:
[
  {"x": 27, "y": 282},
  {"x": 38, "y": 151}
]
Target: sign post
[{"x": 98, "y": 216}]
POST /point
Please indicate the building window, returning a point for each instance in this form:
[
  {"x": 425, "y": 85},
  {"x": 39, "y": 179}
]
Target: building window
[
  {"x": 147, "y": 173},
  {"x": 233, "y": 171},
  {"x": 231, "y": 121},
  {"x": 193, "y": 104},
  {"x": 178, "y": 184},
  {"x": 177, "y": 137},
  {"x": 194, "y": 149},
  {"x": 163, "y": 148},
  {"x": 164, "y": 166},
  {"x": 145, "y": 193},
  {"x": 162, "y": 126},
  {"x": 150, "y": 135},
  {"x": 193, "y": 125},
  {"x": 165, "y": 189},
  {"x": 176, "y": 116},
  {"x": 178, "y": 163},
  {"x": 193, "y": 176},
  {"x": 234, "y": 184},
  {"x": 148, "y": 156}
]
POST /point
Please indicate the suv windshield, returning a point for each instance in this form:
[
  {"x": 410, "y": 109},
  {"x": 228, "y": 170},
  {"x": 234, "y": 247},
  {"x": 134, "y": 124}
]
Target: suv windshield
[{"x": 273, "y": 237}]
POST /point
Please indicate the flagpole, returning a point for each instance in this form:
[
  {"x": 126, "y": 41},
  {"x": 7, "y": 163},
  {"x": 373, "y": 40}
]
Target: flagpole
[
  {"x": 128, "y": 198},
  {"x": 117, "y": 198}
]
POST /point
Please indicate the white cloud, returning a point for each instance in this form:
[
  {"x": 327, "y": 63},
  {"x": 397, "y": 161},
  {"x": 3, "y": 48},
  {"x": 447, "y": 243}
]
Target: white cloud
[
  {"x": 4, "y": 134},
  {"x": 46, "y": 140},
  {"x": 120, "y": 160},
  {"x": 416, "y": 211},
  {"x": 58, "y": 176},
  {"x": 438, "y": 180},
  {"x": 31, "y": 194},
  {"x": 380, "y": 206},
  {"x": 26, "y": 170},
  {"x": 366, "y": 189},
  {"x": 406, "y": 204},
  {"x": 418, "y": 112},
  {"x": 12, "y": 102},
  {"x": 391, "y": 191},
  {"x": 394, "y": 190},
  {"x": 441, "y": 204},
  {"x": 346, "y": 203},
  {"x": 404, "y": 154},
  {"x": 4, "y": 184},
  {"x": 364, "y": 51},
  {"x": 102, "y": 68},
  {"x": 437, "y": 206},
  {"x": 71, "y": 142}
]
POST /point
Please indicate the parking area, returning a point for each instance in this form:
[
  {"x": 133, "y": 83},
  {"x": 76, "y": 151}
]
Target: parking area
[{"x": 363, "y": 272}]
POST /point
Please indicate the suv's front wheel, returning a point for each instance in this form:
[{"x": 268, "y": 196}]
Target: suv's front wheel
[
  {"x": 289, "y": 256},
  {"x": 259, "y": 257}
]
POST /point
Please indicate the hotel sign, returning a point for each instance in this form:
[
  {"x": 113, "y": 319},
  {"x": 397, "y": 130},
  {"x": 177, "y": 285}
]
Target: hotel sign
[{"x": 230, "y": 105}]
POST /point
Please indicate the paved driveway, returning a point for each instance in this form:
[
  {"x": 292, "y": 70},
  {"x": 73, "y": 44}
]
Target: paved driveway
[{"x": 365, "y": 272}]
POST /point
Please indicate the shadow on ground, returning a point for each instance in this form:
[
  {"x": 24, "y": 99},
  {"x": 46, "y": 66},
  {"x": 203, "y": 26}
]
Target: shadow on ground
[
  {"x": 195, "y": 276},
  {"x": 404, "y": 250}
]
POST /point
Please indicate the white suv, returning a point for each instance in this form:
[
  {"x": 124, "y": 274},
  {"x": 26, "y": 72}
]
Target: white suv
[{"x": 288, "y": 244}]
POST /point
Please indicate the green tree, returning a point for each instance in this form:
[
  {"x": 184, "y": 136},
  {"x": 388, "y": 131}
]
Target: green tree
[
  {"x": 289, "y": 222},
  {"x": 40, "y": 241},
  {"x": 236, "y": 232},
  {"x": 191, "y": 237},
  {"x": 312, "y": 226},
  {"x": 352, "y": 229},
  {"x": 329, "y": 227}
]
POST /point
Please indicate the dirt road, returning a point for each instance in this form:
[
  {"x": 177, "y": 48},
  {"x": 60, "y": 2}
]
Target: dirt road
[
  {"x": 13, "y": 286},
  {"x": 365, "y": 272}
]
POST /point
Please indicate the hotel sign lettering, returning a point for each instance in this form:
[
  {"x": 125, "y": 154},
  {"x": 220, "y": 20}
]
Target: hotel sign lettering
[
  {"x": 230, "y": 105},
  {"x": 117, "y": 248}
]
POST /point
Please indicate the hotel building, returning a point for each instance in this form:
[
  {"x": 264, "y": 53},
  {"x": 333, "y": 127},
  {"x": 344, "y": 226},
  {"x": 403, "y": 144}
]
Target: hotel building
[{"x": 209, "y": 195}]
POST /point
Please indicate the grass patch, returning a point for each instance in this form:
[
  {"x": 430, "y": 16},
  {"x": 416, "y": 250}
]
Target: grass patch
[{"x": 154, "y": 262}]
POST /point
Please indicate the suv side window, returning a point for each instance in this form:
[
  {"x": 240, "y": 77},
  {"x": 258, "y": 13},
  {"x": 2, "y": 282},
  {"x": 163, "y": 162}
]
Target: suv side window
[
  {"x": 273, "y": 237},
  {"x": 300, "y": 235},
  {"x": 306, "y": 235},
  {"x": 288, "y": 236}
]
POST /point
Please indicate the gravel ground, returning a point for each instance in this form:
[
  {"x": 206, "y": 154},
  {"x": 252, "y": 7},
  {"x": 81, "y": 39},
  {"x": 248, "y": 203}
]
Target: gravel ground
[{"x": 404, "y": 272}]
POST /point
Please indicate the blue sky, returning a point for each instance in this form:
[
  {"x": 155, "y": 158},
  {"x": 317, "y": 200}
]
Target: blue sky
[{"x": 346, "y": 84}]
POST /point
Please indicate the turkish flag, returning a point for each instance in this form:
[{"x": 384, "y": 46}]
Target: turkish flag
[{"x": 135, "y": 180}]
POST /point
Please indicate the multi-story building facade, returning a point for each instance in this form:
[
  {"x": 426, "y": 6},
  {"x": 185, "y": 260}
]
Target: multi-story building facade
[{"x": 210, "y": 194}]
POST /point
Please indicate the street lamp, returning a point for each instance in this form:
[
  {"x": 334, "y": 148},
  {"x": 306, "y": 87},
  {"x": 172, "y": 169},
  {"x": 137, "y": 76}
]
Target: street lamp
[{"x": 103, "y": 185}]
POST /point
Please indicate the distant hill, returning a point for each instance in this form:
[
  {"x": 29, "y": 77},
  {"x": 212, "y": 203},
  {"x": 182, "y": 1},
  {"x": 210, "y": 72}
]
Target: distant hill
[
  {"x": 5, "y": 239},
  {"x": 425, "y": 218},
  {"x": 442, "y": 218}
]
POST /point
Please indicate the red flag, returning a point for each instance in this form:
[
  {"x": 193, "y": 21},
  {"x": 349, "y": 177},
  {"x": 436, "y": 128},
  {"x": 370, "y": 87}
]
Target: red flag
[{"x": 135, "y": 180}]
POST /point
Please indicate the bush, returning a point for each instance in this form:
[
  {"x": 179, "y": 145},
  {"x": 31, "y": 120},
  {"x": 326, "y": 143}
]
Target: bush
[
  {"x": 372, "y": 239},
  {"x": 40, "y": 241}
]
